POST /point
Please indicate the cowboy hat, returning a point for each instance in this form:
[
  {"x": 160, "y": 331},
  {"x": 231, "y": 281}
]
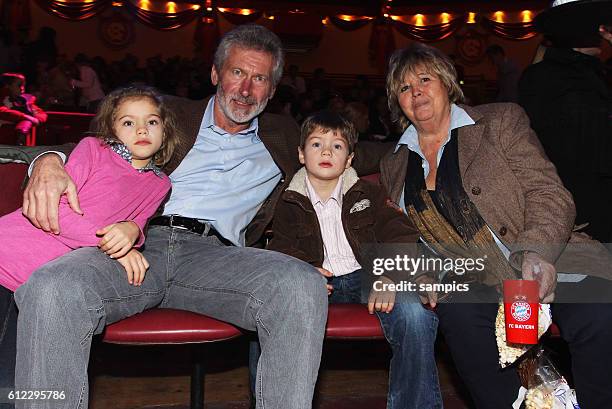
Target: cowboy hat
[{"x": 574, "y": 22}]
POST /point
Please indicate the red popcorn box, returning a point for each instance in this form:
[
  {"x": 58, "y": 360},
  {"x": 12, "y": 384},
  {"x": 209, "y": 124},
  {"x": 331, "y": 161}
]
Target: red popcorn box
[{"x": 521, "y": 307}]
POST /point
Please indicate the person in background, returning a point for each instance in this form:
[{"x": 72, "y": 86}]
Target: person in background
[
  {"x": 58, "y": 92},
  {"x": 569, "y": 105},
  {"x": 508, "y": 74},
  {"x": 357, "y": 114},
  {"x": 294, "y": 80},
  {"x": 336, "y": 102},
  {"x": 18, "y": 109},
  {"x": 459, "y": 68},
  {"x": 320, "y": 88},
  {"x": 88, "y": 83},
  {"x": 283, "y": 102},
  {"x": 44, "y": 48},
  {"x": 361, "y": 90},
  {"x": 381, "y": 126},
  {"x": 538, "y": 55}
]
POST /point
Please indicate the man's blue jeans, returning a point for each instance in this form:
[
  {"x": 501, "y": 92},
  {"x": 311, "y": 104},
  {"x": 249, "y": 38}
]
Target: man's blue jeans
[{"x": 410, "y": 330}]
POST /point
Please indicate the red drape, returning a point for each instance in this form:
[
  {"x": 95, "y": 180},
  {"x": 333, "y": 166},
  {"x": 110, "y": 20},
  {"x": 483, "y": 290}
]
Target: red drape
[
  {"x": 74, "y": 10},
  {"x": 511, "y": 31},
  {"x": 162, "y": 17},
  {"x": 352, "y": 25},
  {"x": 428, "y": 33},
  {"x": 163, "y": 20}
]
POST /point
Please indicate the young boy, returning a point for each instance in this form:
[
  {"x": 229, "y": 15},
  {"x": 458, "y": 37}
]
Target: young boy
[
  {"x": 325, "y": 217},
  {"x": 18, "y": 109}
]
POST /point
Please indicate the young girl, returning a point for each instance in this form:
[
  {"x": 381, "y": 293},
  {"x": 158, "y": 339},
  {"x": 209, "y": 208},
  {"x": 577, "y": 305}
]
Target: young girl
[{"x": 119, "y": 184}]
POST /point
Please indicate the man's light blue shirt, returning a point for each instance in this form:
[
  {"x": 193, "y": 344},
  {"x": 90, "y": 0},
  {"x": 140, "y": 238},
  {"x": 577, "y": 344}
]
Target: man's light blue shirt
[{"x": 224, "y": 179}]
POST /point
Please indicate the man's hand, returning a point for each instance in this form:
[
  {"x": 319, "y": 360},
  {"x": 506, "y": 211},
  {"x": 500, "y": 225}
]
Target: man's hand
[
  {"x": 49, "y": 181},
  {"x": 327, "y": 273},
  {"x": 118, "y": 238},
  {"x": 382, "y": 301},
  {"x": 135, "y": 265},
  {"x": 534, "y": 267},
  {"x": 605, "y": 33},
  {"x": 428, "y": 297}
]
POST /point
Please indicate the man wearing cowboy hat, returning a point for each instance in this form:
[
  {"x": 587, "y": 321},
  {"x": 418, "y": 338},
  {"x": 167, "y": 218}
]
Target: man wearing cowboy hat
[{"x": 567, "y": 100}]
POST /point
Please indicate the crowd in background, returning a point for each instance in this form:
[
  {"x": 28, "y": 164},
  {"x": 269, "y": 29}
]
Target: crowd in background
[{"x": 77, "y": 84}]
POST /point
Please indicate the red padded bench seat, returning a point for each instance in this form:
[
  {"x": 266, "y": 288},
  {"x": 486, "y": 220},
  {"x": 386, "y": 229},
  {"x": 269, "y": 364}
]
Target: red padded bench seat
[
  {"x": 161, "y": 326},
  {"x": 352, "y": 321},
  {"x": 166, "y": 326}
]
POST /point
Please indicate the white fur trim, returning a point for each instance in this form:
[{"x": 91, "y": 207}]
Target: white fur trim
[{"x": 298, "y": 182}]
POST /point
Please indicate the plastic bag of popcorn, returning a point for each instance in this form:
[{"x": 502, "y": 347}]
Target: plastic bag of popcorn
[
  {"x": 508, "y": 352},
  {"x": 546, "y": 388}
]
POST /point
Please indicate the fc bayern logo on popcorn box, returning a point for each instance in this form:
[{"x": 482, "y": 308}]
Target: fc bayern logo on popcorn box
[{"x": 521, "y": 311}]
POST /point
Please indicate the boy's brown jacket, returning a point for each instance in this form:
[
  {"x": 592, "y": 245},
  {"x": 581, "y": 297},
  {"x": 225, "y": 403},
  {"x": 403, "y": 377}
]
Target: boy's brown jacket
[{"x": 368, "y": 217}]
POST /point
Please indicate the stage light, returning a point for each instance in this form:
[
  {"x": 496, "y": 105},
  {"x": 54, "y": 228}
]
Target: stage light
[
  {"x": 527, "y": 16},
  {"x": 419, "y": 20}
]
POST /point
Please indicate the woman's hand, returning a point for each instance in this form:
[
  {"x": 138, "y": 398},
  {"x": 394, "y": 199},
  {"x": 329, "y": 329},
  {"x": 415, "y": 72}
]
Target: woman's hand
[{"x": 534, "y": 267}]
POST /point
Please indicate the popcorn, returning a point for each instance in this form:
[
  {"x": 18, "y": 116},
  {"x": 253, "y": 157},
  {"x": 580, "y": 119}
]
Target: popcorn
[
  {"x": 540, "y": 397},
  {"x": 547, "y": 389},
  {"x": 549, "y": 395},
  {"x": 509, "y": 353}
]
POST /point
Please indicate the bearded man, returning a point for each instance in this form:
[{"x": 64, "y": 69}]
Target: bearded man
[{"x": 228, "y": 171}]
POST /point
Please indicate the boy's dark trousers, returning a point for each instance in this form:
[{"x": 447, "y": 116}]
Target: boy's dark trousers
[{"x": 8, "y": 344}]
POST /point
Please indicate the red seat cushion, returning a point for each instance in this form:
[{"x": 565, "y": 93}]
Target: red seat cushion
[
  {"x": 352, "y": 321},
  {"x": 167, "y": 326}
]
